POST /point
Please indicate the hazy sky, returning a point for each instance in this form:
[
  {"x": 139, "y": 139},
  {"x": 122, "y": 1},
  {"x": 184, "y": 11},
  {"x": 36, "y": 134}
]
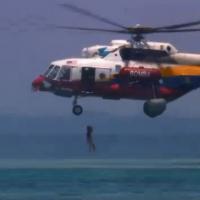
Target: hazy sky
[{"x": 28, "y": 45}]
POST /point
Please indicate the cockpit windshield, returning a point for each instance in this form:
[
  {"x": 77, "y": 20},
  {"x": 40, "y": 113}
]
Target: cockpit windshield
[
  {"x": 48, "y": 70},
  {"x": 52, "y": 72}
]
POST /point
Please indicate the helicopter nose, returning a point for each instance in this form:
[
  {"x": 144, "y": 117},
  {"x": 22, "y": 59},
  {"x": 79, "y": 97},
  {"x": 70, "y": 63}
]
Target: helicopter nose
[{"x": 37, "y": 83}]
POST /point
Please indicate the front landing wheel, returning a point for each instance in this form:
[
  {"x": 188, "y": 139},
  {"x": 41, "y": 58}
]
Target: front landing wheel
[{"x": 77, "y": 110}]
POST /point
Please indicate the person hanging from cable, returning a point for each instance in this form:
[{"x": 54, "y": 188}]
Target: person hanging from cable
[{"x": 89, "y": 139}]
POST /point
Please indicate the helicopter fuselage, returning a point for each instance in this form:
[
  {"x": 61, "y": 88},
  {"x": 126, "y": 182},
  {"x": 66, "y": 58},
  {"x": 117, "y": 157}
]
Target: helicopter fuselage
[{"x": 116, "y": 80}]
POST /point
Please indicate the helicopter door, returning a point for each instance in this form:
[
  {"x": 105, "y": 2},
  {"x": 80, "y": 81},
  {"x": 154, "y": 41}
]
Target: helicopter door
[{"x": 88, "y": 78}]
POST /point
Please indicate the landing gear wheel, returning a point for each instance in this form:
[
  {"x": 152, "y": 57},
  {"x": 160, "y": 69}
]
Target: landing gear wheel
[{"x": 77, "y": 110}]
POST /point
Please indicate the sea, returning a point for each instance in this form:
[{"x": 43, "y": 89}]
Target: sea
[{"x": 100, "y": 179}]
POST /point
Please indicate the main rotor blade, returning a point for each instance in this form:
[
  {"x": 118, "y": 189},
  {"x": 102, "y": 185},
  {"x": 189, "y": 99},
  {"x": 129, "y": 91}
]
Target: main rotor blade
[
  {"x": 177, "y": 26},
  {"x": 93, "y": 29},
  {"x": 131, "y": 31},
  {"x": 179, "y": 30},
  {"x": 90, "y": 14}
]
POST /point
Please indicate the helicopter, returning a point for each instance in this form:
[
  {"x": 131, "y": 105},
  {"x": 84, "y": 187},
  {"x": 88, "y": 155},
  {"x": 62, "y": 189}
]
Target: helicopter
[{"x": 155, "y": 72}]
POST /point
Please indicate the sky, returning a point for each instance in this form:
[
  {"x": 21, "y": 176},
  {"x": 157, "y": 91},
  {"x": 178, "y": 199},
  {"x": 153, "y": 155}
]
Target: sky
[{"x": 28, "y": 44}]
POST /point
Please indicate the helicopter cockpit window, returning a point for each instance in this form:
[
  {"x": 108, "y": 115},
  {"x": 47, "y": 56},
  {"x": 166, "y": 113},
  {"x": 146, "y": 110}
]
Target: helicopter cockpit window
[
  {"x": 64, "y": 74},
  {"x": 48, "y": 70},
  {"x": 52, "y": 72}
]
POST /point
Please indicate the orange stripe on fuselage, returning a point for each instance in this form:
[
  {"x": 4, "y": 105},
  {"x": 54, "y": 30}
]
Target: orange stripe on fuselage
[{"x": 180, "y": 71}]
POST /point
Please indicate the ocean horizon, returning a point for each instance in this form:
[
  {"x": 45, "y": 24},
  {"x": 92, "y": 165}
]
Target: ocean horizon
[
  {"x": 92, "y": 162},
  {"x": 100, "y": 179}
]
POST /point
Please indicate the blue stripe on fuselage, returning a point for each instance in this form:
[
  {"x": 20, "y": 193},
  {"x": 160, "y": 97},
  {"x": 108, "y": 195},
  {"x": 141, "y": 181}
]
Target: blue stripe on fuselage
[{"x": 177, "y": 82}]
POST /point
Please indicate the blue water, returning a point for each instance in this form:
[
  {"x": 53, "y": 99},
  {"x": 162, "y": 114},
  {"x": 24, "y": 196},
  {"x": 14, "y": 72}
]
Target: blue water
[{"x": 103, "y": 182}]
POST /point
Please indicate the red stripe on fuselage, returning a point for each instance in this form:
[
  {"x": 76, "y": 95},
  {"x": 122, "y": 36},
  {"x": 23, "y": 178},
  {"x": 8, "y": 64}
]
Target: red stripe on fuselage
[{"x": 135, "y": 91}]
